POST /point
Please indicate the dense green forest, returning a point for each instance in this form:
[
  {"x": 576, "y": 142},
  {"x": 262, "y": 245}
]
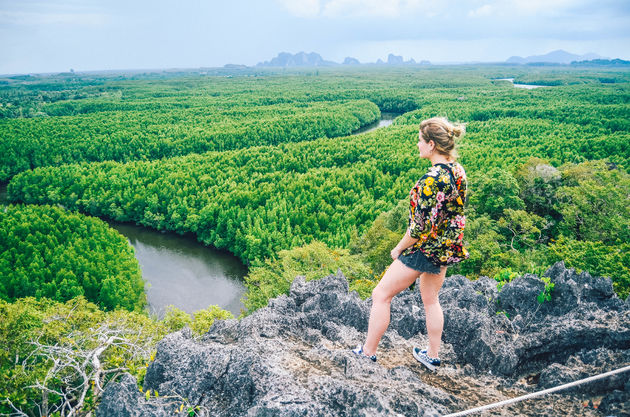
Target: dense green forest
[
  {"x": 259, "y": 163},
  {"x": 49, "y": 252},
  {"x": 159, "y": 133}
]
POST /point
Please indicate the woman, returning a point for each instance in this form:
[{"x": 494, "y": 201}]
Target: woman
[{"x": 434, "y": 239}]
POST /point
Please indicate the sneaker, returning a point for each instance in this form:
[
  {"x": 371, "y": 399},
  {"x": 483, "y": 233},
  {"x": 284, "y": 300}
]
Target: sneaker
[
  {"x": 359, "y": 351},
  {"x": 422, "y": 357}
]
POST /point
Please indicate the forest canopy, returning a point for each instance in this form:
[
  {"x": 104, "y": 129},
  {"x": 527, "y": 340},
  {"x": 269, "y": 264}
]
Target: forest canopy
[
  {"x": 260, "y": 162},
  {"x": 46, "y": 251}
]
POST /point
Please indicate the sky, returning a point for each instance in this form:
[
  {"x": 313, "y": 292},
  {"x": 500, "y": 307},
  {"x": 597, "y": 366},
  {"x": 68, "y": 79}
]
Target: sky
[{"x": 88, "y": 35}]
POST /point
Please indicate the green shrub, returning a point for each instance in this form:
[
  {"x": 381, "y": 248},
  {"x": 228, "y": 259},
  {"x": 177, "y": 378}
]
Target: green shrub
[
  {"x": 597, "y": 258},
  {"x": 204, "y": 319},
  {"x": 504, "y": 276},
  {"x": 44, "y": 337},
  {"x": 315, "y": 260}
]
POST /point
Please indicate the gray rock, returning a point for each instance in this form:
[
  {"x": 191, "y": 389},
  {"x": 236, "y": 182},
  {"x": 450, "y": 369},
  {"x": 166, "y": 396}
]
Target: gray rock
[
  {"x": 293, "y": 358},
  {"x": 616, "y": 403},
  {"x": 583, "y": 365},
  {"x": 123, "y": 399}
]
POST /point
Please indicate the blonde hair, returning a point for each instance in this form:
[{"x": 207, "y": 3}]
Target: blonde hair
[{"x": 443, "y": 133}]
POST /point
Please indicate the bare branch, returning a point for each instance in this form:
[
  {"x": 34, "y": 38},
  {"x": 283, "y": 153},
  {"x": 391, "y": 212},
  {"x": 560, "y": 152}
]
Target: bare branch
[{"x": 18, "y": 411}]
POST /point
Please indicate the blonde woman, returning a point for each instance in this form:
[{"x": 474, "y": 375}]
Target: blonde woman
[{"x": 434, "y": 239}]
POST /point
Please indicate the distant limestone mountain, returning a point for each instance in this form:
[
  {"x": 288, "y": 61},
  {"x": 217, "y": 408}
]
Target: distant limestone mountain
[
  {"x": 557, "y": 57},
  {"x": 397, "y": 60},
  {"x": 394, "y": 59},
  {"x": 351, "y": 61},
  {"x": 301, "y": 59}
]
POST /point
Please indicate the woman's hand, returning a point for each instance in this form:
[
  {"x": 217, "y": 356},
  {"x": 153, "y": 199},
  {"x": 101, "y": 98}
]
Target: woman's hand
[
  {"x": 406, "y": 242},
  {"x": 395, "y": 253}
]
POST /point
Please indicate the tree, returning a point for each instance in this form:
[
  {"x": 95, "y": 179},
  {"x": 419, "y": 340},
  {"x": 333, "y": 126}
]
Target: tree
[
  {"x": 496, "y": 191},
  {"x": 525, "y": 228},
  {"x": 593, "y": 202},
  {"x": 538, "y": 182}
]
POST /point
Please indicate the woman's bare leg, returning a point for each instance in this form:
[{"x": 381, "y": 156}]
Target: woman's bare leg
[
  {"x": 430, "y": 285},
  {"x": 396, "y": 278}
]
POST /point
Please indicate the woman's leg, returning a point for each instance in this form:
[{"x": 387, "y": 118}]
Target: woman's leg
[
  {"x": 397, "y": 277},
  {"x": 430, "y": 285}
]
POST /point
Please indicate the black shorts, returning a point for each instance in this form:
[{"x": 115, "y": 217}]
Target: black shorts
[{"x": 419, "y": 262}]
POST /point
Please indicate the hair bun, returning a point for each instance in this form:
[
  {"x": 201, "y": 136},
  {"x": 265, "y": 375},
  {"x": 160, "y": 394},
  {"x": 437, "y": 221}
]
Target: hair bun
[{"x": 456, "y": 131}]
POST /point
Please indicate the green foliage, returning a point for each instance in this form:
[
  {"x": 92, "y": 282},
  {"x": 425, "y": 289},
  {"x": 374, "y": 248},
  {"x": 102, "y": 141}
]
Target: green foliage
[
  {"x": 166, "y": 132},
  {"x": 204, "y": 319},
  {"x": 524, "y": 229},
  {"x": 526, "y": 152},
  {"x": 538, "y": 182},
  {"x": 258, "y": 164},
  {"x": 495, "y": 192},
  {"x": 46, "y": 251},
  {"x": 505, "y": 313},
  {"x": 504, "y": 276},
  {"x": 593, "y": 202},
  {"x": 483, "y": 242},
  {"x": 597, "y": 258},
  {"x": 29, "y": 326},
  {"x": 376, "y": 243},
  {"x": 37, "y": 334},
  {"x": 254, "y": 201},
  {"x": 315, "y": 260},
  {"x": 175, "y": 319},
  {"x": 545, "y": 294}
]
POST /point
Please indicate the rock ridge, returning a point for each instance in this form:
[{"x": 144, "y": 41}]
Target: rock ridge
[{"x": 293, "y": 358}]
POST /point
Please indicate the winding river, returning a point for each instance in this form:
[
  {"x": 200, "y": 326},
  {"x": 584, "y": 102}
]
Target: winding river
[
  {"x": 182, "y": 272},
  {"x": 525, "y": 86},
  {"x": 386, "y": 120}
]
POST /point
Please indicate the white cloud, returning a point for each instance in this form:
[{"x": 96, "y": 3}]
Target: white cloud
[
  {"x": 524, "y": 7},
  {"x": 362, "y": 8},
  {"x": 482, "y": 11},
  {"x": 39, "y": 18},
  {"x": 357, "y": 8},
  {"x": 532, "y": 7},
  {"x": 302, "y": 8}
]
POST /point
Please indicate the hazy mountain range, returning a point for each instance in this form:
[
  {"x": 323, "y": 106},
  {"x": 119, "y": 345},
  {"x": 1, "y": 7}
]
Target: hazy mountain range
[
  {"x": 313, "y": 59},
  {"x": 556, "y": 57}
]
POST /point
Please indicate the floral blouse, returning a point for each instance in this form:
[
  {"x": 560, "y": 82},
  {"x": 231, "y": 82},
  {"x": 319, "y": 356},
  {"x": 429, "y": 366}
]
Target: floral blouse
[{"x": 436, "y": 214}]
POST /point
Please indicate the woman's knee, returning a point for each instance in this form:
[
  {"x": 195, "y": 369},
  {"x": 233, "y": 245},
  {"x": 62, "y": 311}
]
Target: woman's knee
[
  {"x": 429, "y": 299},
  {"x": 380, "y": 295}
]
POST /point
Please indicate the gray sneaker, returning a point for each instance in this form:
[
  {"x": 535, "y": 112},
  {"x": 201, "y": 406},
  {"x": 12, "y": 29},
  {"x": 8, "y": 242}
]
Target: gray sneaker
[
  {"x": 422, "y": 357},
  {"x": 359, "y": 351}
]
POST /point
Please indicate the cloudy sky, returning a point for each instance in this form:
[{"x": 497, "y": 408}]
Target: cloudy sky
[{"x": 56, "y": 35}]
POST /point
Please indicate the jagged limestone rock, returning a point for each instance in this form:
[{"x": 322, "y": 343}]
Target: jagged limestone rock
[{"x": 293, "y": 358}]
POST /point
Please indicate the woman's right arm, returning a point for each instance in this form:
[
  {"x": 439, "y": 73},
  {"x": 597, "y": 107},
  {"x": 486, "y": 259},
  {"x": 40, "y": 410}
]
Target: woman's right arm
[
  {"x": 404, "y": 243},
  {"x": 419, "y": 213}
]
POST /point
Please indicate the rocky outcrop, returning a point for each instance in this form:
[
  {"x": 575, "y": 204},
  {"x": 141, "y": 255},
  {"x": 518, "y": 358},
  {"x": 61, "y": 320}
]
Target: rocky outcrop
[{"x": 293, "y": 357}]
